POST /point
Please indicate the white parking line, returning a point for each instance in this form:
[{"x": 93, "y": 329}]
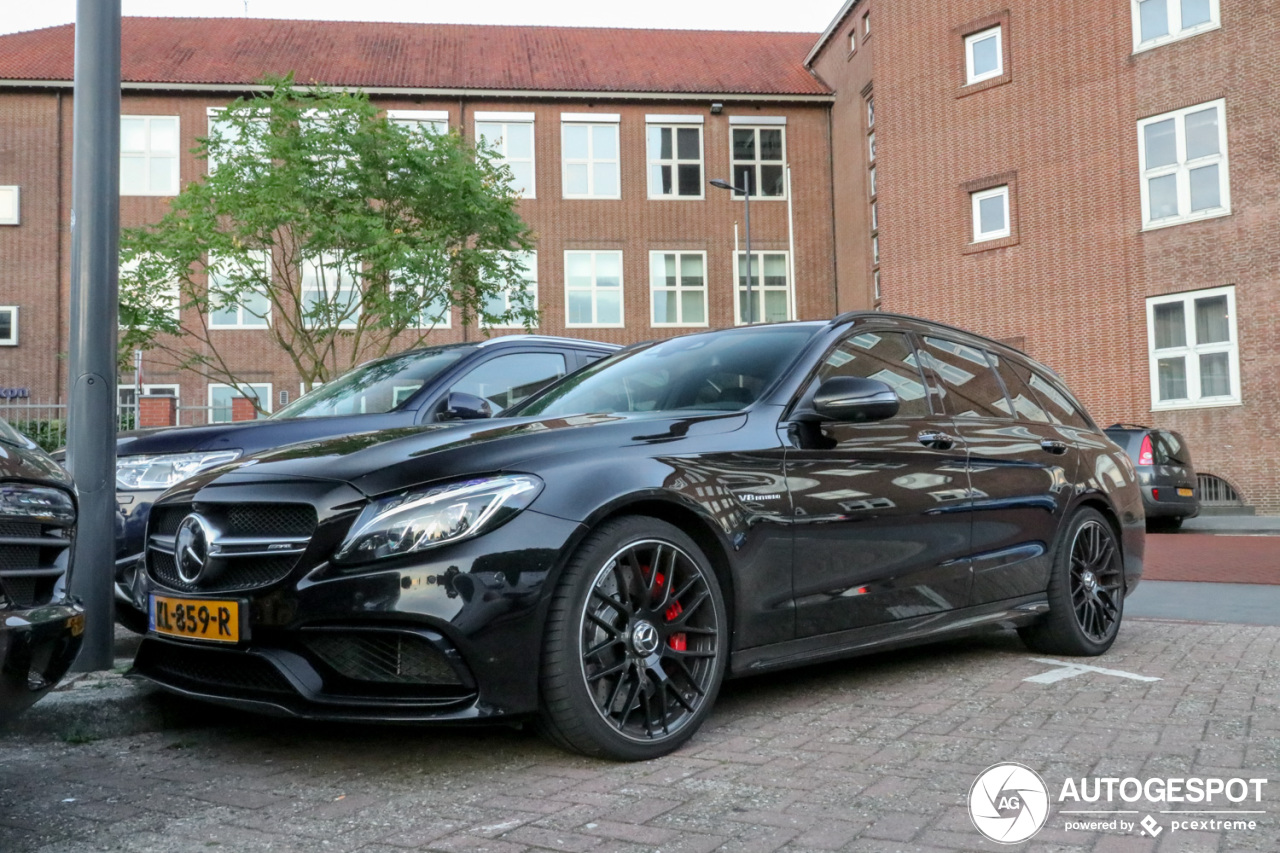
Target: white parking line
[{"x": 1068, "y": 669}]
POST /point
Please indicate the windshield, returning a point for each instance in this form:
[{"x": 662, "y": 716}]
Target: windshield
[
  {"x": 374, "y": 388},
  {"x": 9, "y": 435},
  {"x": 719, "y": 371}
]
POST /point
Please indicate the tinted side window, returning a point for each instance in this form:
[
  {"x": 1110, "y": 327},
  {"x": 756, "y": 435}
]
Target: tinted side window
[
  {"x": 887, "y": 356},
  {"x": 1026, "y": 406},
  {"x": 508, "y": 379},
  {"x": 1053, "y": 401},
  {"x": 972, "y": 387}
]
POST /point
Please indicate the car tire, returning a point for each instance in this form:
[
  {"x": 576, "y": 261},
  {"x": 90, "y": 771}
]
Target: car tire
[
  {"x": 636, "y": 643},
  {"x": 1086, "y": 591}
]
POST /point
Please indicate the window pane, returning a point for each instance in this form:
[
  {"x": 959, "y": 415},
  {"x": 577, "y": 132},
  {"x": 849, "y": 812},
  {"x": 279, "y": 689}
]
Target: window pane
[
  {"x": 521, "y": 177},
  {"x": 506, "y": 380},
  {"x": 659, "y": 180},
  {"x": 775, "y": 306},
  {"x": 579, "y": 306},
  {"x": 1171, "y": 325},
  {"x": 1172, "y": 376},
  {"x": 1154, "y": 17},
  {"x": 691, "y": 303},
  {"x": 886, "y": 356},
  {"x": 575, "y": 179},
  {"x": 578, "y": 269},
  {"x": 133, "y": 135},
  {"x": 1162, "y": 194},
  {"x": 687, "y": 144},
  {"x": 162, "y": 175},
  {"x": 606, "y": 178},
  {"x": 744, "y": 145},
  {"x": 664, "y": 307},
  {"x": 986, "y": 55},
  {"x": 164, "y": 136},
  {"x": 745, "y": 177},
  {"x": 1161, "y": 142},
  {"x": 991, "y": 215},
  {"x": 1206, "y": 191},
  {"x": 1202, "y": 133},
  {"x": 608, "y": 306},
  {"x": 1212, "y": 325},
  {"x": 520, "y": 141},
  {"x": 690, "y": 179},
  {"x": 608, "y": 269},
  {"x": 775, "y": 270},
  {"x": 575, "y": 141},
  {"x": 1195, "y": 12},
  {"x": 660, "y": 142},
  {"x": 224, "y": 316},
  {"x": 770, "y": 144},
  {"x": 133, "y": 175},
  {"x": 604, "y": 142},
  {"x": 691, "y": 269},
  {"x": 771, "y": 181},
  {"x": 973, "y": 391},
  {"x": 1215, "y": 375}
]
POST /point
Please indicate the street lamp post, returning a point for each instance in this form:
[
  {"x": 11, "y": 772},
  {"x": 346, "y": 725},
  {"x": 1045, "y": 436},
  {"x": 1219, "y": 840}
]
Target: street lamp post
[{"x": 746, "y": 195}]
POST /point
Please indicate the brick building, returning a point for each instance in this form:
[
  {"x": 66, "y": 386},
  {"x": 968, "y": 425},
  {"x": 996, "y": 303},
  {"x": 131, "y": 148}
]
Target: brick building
[
  {"x": 645, "y": 245},
  {"x": 1093, "y": 182}
]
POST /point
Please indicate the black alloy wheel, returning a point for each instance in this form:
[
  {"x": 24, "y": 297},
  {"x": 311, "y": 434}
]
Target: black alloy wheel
[
  {"x": 1086, "y": 591},
  {"x": 636, "y": 642}
]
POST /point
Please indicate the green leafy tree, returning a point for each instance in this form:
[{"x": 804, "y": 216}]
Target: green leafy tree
[{"x": 340, "y": 233}]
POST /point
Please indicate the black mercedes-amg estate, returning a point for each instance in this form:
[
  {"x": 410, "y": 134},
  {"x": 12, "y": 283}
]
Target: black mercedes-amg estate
[{"x": 600, "y": 558}]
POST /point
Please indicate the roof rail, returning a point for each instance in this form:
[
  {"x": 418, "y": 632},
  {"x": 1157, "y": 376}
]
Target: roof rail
[{"x": 1128, "y": 426}]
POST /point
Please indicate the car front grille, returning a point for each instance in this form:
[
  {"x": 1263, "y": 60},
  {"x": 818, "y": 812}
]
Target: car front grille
[
  {"x": 386, "y": 657},
  {"x": 30, "y": 561},
  {"x": 261, "y": 544}
]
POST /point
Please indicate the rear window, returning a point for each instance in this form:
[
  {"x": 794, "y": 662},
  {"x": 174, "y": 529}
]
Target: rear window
[{"x": 1169, "y": 450}]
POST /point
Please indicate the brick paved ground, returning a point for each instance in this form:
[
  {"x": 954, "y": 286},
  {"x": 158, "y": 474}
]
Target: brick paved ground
[
  {"x": 875, "y": 755},
  {"x": 1213, "y": 558}
]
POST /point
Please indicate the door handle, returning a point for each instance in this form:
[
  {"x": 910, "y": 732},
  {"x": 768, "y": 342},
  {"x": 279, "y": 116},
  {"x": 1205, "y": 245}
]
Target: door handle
[
  {"x": 1057, "y": 448},
  {"x": 937, "y": 440}
]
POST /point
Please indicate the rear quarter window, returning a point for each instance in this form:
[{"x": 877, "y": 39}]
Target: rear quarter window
[{"x": 1055, "y": 403}]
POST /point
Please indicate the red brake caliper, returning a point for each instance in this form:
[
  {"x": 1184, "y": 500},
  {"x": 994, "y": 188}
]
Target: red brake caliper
[{"x": 676, "y": 641}]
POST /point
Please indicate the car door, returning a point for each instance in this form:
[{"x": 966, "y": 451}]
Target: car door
[
  {"x": 880, "y": 532},
  {"x": 1021, "y": 467}
]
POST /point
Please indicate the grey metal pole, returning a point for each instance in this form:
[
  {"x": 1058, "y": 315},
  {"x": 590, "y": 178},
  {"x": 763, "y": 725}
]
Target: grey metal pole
[
  {"x": 751, "y": 306},
  {"x": 95, "y": 235}
]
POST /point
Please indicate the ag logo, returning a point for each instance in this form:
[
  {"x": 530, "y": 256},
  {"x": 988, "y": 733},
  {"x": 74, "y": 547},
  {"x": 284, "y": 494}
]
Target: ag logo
[{"x": 1008, "y": 803}]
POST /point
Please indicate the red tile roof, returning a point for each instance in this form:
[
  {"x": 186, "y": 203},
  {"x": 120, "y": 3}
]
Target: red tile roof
[{"x": 433, "y": 56}]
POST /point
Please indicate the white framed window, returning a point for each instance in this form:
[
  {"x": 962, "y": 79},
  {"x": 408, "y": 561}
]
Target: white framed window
[
  {"x": 673, "y": 146},
  {"x": 8, "y": 325},
  {"x": 853, "y": 40},
  {"x": 1157, "y": 22},
  {"x": 510, "y": 136},
  {"x": 770, "y": 288},
  {"x": 866, "y": 24},
  {"x": 330, "y": 294},
  {"x": 1193, "y": 348},
  {"x": 990, "y": 213},
  {"x": 10, "y": 212},
  {"x": 220, "y": 397},
  {"x": 421, "y": 121},
  {"x": 217, "y": 123},
  {"x": 871, "y": 181},
  {"x": 502, "y": 303},
  {"x": 677, "y": 289},
  {"x": 759, "y": 155},
  {"x": 871, "y": 113},
  {"x": 590, "y": 155},
  {"x": 253, "y": 310},
  {"x": 593, "y": 289},
  {"x": 875, "y": 284},
  {"x": 983, "y": 55},
  {"x": 149, "y": 155},
  {"x": 871, "y": 146},
  {"x": 1182, "y": 156}
]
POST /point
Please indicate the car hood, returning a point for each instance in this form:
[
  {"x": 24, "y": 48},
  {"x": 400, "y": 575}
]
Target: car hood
[
  {"x": 381, "y": 462},
  {"x": 249, "y": 436},
  {"x": 31, "y": 465}
]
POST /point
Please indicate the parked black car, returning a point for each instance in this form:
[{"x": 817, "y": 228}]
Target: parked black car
[
  {"x": 452, "y": 382},
  {"x": 729, "y": 502},
  {"x": 40, "y": 626},
  {"x": 1165, "y": 473}
]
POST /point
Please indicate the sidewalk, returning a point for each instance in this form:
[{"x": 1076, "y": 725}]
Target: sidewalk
[{"x": 1234, "y": 525}]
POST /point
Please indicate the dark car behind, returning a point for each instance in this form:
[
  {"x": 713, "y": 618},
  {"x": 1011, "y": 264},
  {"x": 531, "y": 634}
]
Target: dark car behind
[
  {"x": 422, "y": 386},
  {"x": 1165, "y": 472},
  {"x": 40, "y": 627}
]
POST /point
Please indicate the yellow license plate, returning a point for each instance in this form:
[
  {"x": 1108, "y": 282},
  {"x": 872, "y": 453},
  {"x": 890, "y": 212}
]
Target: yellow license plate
[
  {"x": 1184, "y": 493},
  {"x": 217, "y": 621}
]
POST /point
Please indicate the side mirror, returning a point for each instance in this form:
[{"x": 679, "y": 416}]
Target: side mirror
[
  {"x": 465, "y": 407},
  {"x": 852, "y": 399}
]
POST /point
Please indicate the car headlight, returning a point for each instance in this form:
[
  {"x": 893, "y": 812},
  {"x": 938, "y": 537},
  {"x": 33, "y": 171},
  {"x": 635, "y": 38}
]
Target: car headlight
[
  {"x": 162, "y": 470},
  {"x": 20, "y": 502},
  {"x": 417, "y": 520}
]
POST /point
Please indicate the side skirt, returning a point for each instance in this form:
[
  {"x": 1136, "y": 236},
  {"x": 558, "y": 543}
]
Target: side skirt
[{"x": 891, "y": 635}]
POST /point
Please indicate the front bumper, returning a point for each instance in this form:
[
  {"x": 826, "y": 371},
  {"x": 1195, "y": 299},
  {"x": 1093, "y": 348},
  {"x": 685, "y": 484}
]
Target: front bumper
[
  {"x": 451, "y": 634},
  {"x": 37, "y": 647}
]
